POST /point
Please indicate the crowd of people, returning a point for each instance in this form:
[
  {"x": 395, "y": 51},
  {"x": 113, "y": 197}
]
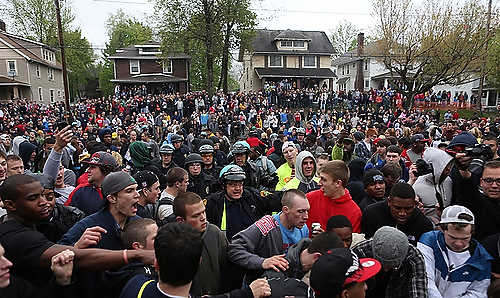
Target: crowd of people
[{"x": 278, "y": 193}]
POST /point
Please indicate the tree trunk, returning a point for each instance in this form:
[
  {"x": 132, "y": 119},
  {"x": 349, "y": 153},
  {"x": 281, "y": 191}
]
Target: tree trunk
[
  {"x": 225, "y": 56},
  {"x": 209, "y": 55}
]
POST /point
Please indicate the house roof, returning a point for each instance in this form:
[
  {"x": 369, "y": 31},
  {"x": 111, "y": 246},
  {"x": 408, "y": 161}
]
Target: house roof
[
  {"x": 343, "y": 80},
  {"x": 132, "y": 52},
  {"x": 150, "y": 78},
  {"x": 17, "y": 43},
  {"x": 264, "y": 41},
  {"x": 324, "y": 73},
  {"x": 5, "y": 81},
  {"x": 291, "y": 35},
  {"x": 371, "y": 50}
]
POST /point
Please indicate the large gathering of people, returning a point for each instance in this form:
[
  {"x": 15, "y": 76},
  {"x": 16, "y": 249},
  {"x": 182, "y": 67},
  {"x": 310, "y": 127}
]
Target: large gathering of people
[{"x": 284, "y": 192}]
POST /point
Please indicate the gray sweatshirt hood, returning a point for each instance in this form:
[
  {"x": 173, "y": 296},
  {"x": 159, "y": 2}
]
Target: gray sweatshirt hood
[
  {"x": 439, "y": 159},
  {"x": 298, "y": 166}
]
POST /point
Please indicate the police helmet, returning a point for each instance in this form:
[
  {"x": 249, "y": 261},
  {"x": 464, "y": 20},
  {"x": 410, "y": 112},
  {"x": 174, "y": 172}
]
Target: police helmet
[
  {"x": 193, "y": 158},
  {"x": 206, "y": 149},
  {"x": 232, "y": 173},
  {"x": 167, "y": 149},
  {"x": 240, "y": 147},
  {"x": 301, "y": 131},
  {"x": 176, "y": 138}
]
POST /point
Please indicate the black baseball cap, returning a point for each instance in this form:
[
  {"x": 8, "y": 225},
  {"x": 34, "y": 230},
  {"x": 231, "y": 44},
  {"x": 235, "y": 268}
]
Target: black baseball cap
[
  {"x": 103, "y": 159},
  {"x": 418, "y": 138},
  {"x": 338, "y": 268},
  {"x": 116, "y": 182},
  {"x": 371, "y": 176}
]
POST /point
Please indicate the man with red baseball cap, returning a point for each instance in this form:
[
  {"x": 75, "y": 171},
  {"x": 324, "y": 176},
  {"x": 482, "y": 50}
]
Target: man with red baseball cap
[
  {"x": 340, "y": 273},
  {"x": 87, "y": 196}
]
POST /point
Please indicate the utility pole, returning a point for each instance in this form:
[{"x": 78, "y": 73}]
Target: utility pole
[
  {"x": 483, "y": 65},
  {"x": 63, "y": 56}
]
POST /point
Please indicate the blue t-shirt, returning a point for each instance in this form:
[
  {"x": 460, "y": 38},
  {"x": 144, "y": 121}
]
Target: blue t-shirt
[{"x": 290, "y": 237}]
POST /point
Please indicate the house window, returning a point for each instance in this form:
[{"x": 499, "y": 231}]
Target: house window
[
  {"x": 286, "y": 44},
  {"x": 275, "y": 61},
  {"x": 38, "y": 71},
  {"x": 343, "y": 71},
  {"x": 59, "y": 93},
  {"x": 309, "y": 61},
  {"x": 367, "y": 83},
  {"x": 40, "y": 94},
  {"x": 367, "y": 61},
  {"x": 298, "y": 43},
  {"x": 51, "y": 95},
  {"x": 167, "y": 66},
  {"x": 11, "y": 68},
  {"x": 50, "y": 74},
  {"x": 347, "y": 69},
  {"x": 135, "y": 67}
]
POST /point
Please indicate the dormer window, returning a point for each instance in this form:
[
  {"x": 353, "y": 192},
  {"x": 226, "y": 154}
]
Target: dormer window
[{"x": 298, "y": 43}]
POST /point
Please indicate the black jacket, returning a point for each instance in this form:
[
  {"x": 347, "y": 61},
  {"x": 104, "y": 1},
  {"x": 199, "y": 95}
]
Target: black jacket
[
  {"x": 179, "y": 155},
  {"x": 252, "y": 204},
  {"x": 486, "y": 210},
  {"x": 62, "y": 219},
  {"x": 378, "y": 215},
  {"x": 201, "y": 185}
]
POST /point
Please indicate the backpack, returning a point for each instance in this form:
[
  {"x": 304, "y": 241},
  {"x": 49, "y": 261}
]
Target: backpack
[{"x": 152, "y": 210}]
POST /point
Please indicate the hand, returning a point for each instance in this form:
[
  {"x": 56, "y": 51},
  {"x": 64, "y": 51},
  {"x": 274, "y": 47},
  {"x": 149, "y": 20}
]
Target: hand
[
  {"x": 419, "y": 203},
  {"x": 316, "y": 232},
  {"x": 276, "y": 263},
  {"x": 91, "y": 236},
  {"x": 411, "y": 172},
  {"x": 260, "y": 288},
  {"x": 62, "y": 266},
  {"x": 63, "y": 137},
  {"x": 463, "y": 161},
  {"x": 145, "y": 256}
]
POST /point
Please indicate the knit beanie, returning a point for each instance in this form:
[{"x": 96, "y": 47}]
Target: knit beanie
[{"x": 390, "y": 246}]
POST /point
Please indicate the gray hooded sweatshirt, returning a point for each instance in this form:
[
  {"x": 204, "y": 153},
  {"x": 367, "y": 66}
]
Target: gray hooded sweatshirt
[
  {"x": 300, "y": 181},
  {"x": 426, "y": 186}
]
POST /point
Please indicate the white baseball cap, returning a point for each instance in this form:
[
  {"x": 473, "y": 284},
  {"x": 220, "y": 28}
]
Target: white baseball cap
[{"x": 457, "y": 214}]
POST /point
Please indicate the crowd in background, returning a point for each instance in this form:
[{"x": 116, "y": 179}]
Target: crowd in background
[{"x": 323, "y": 193}]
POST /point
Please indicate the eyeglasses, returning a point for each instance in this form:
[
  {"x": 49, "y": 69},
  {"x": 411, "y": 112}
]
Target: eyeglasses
[{"x": 490, "y": 181}]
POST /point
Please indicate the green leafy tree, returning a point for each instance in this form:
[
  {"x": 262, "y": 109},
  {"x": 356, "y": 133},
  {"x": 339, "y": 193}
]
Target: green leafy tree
[
  {"x": 36, "y": 19},
  {"x": 238, "y": 24},
  {"x": 207, "y": 30},
  {"x": 80, "y": 59},
  {"x": 122, "y": 31}
]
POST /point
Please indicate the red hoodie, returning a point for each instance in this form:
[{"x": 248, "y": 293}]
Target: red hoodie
[{"x": 322, "y": 208}]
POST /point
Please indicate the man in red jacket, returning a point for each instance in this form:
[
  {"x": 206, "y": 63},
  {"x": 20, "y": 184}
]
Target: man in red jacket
[{"x": 332, "y": 198}]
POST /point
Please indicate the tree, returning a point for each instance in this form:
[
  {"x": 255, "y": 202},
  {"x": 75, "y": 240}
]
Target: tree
[
  {"x": 238, "y": 24},
  {"x": 80, "y": 58},
  {"x": 122, "y": 31},
  {"x": 431, "y": 42},
  {"x": 36, "y": 19},
  {"x": 344, "y": 38},
  {"x": 187, "y": 24},
  {"x": 214, "y": 27}
]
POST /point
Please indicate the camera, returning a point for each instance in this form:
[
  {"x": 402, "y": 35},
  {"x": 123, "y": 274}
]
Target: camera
[
  {"x": 479, "y": 151},
  {"x": 423, "y": 168}
]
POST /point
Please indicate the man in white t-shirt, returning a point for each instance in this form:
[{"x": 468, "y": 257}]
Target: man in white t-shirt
[{"x": 456, "y": 264}]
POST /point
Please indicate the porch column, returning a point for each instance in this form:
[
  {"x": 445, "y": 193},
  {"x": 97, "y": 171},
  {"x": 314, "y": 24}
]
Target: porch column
[
  {"x": 15, "y": 91},
  {"x": 386, "y": 83}
]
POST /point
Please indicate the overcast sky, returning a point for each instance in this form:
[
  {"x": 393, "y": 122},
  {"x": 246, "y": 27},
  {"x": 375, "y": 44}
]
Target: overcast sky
[{"x": 320, "y": 15}]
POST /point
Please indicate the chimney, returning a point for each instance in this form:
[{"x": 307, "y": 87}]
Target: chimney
[
  {"x": 360, "y": 78},
  {"x": 2, "y": 25},
  {"x": 361, "y": 44}
]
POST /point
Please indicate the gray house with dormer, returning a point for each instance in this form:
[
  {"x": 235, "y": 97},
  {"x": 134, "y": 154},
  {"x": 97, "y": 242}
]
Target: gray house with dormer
[{"x": 302, "y": 58}]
